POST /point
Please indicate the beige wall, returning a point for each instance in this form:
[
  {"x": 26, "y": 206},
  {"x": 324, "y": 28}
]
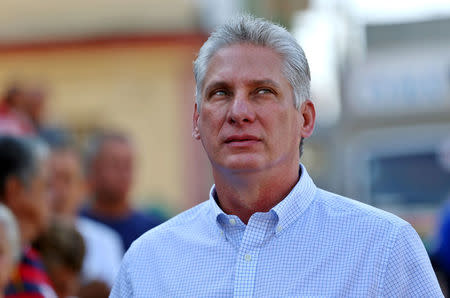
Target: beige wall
[{"x": 144, "y": 88}]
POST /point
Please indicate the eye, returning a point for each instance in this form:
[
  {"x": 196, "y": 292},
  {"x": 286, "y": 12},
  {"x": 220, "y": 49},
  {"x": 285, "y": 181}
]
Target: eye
[
  {"x": 219, "y": 93},
  {"x": 264, "y": 91}
]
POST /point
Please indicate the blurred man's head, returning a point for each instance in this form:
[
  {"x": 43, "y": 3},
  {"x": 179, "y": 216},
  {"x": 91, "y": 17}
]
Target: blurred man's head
[
  {"x": 9, "y": 245},
  {"x": 110, "y": 160},
  {"x": 24, "y": 184},
  {"x": 67, "y": 182},
  {"x": 15, "y": 97}
]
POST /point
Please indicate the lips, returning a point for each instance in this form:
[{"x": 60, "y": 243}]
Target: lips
[{"x": 237, "y": 139}]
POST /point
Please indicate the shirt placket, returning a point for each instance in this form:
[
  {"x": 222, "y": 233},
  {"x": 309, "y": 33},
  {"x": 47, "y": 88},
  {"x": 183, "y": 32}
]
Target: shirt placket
[{"x": 247, "y": 258}]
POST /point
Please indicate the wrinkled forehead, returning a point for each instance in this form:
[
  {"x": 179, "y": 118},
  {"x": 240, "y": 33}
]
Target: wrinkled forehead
[{"x": 243, "y": 61}]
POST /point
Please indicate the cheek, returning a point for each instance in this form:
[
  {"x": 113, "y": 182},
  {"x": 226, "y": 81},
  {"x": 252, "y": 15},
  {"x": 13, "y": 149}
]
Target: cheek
[
  {"x": 211, "y": 119},
  {"x": 40, "y": 207},
  {"x": 284, "y": 128}
]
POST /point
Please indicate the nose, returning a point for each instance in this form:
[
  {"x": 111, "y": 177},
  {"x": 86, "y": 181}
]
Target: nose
[{"x": 241, "y": 110}]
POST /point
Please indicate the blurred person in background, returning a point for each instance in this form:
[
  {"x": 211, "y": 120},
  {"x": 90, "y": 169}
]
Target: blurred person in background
[
  {"x": 110, "y": 165},
  {"x": 103, "y": 245},
  {"x": 13, "y": 118},
  {"x": 267, "y": 230},
  {"x": 9, "y": 246},
  {"x": 34, "y": 107},
  {"x": 24, "y": 189},
  {"x": 62, "y": 250},
  {"x": 441, "y": 251}
]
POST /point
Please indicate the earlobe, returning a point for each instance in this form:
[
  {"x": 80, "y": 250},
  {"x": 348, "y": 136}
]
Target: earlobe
[
  {"x": 309, "y": 118},
  {"x": 196, "y": 134},
  {"x": 195, "y": 131}
]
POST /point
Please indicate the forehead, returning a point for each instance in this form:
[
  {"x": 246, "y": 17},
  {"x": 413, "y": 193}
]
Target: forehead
[
  {"x": 242, "y": 62},
  {"x": 65, "y": 159}
]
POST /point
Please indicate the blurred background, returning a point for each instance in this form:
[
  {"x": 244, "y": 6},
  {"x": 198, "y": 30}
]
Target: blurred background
[{"x": 380, "y": 82}]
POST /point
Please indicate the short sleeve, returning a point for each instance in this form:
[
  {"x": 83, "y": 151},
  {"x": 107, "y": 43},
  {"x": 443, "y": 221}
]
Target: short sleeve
[{"x": 409, "y": 272}]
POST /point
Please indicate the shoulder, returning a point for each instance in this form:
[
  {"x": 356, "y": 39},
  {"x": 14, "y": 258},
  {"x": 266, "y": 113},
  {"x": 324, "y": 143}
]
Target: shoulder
[
  {"x": 355, "y": 221},
  {"x": 335, "y": 205},
  {"x": 91, "y": 229},
  {"x": 391, "y": 244}
]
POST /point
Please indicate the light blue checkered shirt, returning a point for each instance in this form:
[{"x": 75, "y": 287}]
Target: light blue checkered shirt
[{"x": 312, "y": 244}]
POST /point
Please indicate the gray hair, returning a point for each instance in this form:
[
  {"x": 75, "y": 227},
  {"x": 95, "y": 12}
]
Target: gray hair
[
  {"x": 247, "y": 29},
  {"x": 9, "y": 224}
]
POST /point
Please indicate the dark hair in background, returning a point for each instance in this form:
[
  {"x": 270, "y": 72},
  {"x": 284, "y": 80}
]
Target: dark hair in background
[
  {"x": 11, "y": 93},
  {"x": 62, "y": 245},
  {"x": 17, "y": 159}
]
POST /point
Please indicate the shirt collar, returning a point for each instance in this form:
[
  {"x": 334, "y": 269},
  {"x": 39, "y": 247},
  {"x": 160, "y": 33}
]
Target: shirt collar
[
  {"x": 288, "y": 210},
  {"x": 296, "y": 202},
  {"x": 217, "y": 212}
]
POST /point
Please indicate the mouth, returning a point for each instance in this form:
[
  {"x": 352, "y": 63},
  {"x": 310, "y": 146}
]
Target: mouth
[{"x": 241, "y": 139}]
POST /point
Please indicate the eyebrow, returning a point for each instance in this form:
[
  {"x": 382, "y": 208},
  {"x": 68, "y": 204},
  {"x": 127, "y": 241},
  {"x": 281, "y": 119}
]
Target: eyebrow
[
  {"x": 214, "y": 85},
  {"x": 266, "y": 82}
]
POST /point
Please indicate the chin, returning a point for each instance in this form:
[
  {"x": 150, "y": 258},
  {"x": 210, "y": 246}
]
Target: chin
[{"x": 244, "y": 163}]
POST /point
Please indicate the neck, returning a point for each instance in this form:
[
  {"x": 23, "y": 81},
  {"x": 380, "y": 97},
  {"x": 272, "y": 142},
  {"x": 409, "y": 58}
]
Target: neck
[
  {"x": 27, "y": 233},
  {"x": 243, "y": 194},
  {"x": 69, "y": 217},
  {"x": 105, "y": 207}
]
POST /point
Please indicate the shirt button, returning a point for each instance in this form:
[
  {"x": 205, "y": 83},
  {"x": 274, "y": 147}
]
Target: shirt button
[
  {"x": 279, "y": 228},
  {"x": 248, "y": 257},
  {"x": 232, "y": 221}
]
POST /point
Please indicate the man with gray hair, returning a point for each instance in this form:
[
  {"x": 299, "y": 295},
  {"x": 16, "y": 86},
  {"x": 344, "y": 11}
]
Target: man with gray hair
[
  {"x": 24, "y": 190},
  {"x": 267, "y": 230}
]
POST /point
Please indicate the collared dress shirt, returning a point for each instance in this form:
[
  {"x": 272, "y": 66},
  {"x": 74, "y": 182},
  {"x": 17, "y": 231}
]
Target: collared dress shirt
[{"x": 312, "y": 244}]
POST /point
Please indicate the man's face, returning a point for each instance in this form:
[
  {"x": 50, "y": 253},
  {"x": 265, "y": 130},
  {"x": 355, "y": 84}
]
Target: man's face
[
  {"x": 67, "y": 182},
  {"x": 113, "y": 170},
  {"x": 247, "y": 119},
  {"x": 31, "y": 204}
]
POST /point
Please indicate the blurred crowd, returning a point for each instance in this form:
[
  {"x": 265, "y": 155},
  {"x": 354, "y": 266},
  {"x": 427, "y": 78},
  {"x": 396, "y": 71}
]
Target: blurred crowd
[{"x": 66, "y": 216}]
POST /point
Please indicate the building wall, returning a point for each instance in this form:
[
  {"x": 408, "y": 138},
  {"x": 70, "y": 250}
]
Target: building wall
[{"x": 142, "y": 86}]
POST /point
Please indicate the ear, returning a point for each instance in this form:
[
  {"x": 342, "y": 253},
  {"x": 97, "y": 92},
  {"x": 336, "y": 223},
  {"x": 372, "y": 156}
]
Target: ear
[
  {"x": 195, "y": 130},
  {"x": 308, "y": 113}
]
